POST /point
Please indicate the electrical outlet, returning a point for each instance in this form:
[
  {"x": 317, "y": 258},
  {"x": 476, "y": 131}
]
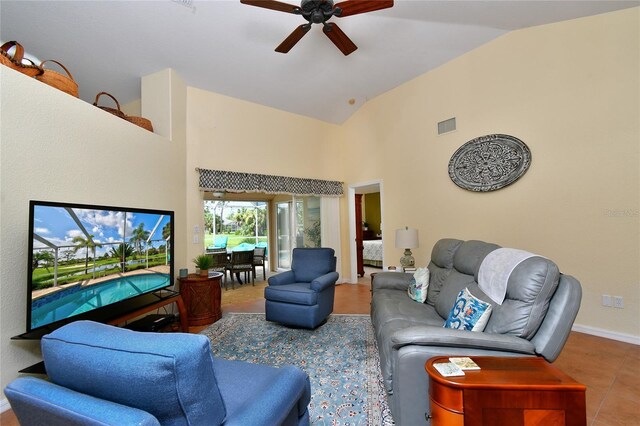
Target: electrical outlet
[
  {"x": 606, "y": 300},
  {"x": 617, "y": 302},
  {"x": 196, "y": 239}
]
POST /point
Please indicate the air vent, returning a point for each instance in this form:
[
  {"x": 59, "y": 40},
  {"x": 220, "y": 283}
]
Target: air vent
[{"x": 447, "y": 126}]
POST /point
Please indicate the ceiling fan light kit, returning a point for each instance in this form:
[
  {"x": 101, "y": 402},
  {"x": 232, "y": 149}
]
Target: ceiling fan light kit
[{"x": 319, "y": 12}]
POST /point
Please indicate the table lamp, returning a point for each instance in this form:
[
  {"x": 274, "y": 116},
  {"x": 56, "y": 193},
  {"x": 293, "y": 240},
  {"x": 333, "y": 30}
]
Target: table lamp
[{"x": 407, "y": 239}]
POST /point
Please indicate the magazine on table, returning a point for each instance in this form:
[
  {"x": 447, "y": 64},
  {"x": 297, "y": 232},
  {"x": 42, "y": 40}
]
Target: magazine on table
[
  {"x": 465, "y": 363},
  {"x": 448, "y": 369}
]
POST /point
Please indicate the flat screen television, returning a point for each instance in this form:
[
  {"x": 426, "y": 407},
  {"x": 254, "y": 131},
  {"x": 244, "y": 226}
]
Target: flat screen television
[{"x": 85, "y": 261}]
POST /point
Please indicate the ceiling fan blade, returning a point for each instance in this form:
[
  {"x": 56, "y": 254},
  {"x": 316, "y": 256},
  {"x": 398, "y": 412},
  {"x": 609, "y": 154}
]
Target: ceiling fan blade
[
  {"x": 293, "y": 38},
  {"x": 339, "y": 38},
  {"x": 353, "y": 7},
  {"x": 273, "y": 5}
]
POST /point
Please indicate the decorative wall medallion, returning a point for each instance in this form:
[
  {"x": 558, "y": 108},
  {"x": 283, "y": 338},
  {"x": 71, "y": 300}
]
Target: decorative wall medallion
[{"x": 489, "y": 162}]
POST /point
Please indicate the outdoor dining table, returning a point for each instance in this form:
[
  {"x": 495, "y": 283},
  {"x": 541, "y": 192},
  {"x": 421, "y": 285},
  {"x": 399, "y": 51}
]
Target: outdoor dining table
[{"x": 242, "y": 247}]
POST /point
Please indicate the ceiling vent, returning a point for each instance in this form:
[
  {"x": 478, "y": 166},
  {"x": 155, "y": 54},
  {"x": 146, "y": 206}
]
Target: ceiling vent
[{"x": 447, "y": 126}]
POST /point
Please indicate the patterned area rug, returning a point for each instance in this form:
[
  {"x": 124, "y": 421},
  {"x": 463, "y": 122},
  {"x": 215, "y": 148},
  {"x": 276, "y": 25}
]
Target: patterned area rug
[{"x": 340, "y": 357}]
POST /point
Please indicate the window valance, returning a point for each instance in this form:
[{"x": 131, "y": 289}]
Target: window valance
[{"x": 225, "y": 181}]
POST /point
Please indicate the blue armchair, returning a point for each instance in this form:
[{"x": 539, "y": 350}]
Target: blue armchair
[
  {"x": 104, "y": 375},
  {"x": 303, "y": 296}
]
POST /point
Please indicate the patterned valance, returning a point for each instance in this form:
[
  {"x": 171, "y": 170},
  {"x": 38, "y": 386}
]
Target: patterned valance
[{"x": 224, "y": 181}]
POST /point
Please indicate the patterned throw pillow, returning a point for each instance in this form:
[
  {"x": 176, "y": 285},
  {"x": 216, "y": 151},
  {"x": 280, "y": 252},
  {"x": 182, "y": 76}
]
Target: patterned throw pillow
[
  {"x": 419, "y": 283},
  {"x": 468, "y": 313}
]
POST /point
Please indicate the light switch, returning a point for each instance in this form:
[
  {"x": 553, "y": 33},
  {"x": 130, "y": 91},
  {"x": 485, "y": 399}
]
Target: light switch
[
  {"x": 196, "y": 229},
  {"x": 196, "y": 239}
]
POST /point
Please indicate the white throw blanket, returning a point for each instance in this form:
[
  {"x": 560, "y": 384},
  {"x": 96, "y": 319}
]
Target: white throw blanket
[{"x": 496, "y": 269}]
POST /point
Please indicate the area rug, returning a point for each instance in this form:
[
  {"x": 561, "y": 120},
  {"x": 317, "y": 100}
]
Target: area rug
[{"x": 340, "y": 357}]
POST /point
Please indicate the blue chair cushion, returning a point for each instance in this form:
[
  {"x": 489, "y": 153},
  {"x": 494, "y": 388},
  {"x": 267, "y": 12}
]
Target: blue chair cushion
[
  {"x": 256, "y": 394},
  {"x": 168, "y": 375},
  {"x": 310, "y": 263},
  {"x": 297, "y": 293}
]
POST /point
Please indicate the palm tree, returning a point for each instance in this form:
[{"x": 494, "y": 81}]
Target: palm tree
[
  {"x": 42, "y": 256},
  {"x": 138, "y": 236},
  {"x": 84, "y": 243},
  {"x": 122, "y": 251},
  {"x": 166, "y": 231}
]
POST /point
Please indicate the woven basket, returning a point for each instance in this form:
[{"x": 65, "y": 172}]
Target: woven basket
[
  {"x": 66, "y": 83},
  {"x": 15, "y": 61},
  {"x": 138, "y": 121},
  {"x": 115, "y": 111}
]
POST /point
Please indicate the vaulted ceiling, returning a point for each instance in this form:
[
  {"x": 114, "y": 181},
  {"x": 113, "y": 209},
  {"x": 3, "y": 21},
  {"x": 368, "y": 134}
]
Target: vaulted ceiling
[{"x": 228, "y": 47}]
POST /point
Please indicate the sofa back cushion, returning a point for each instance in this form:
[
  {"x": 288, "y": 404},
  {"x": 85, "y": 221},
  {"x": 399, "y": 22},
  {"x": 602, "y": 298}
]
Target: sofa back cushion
[
  {"x": 310, "y": 263},
  {"x": 168, "y": 375},
  {"x": 440, "y": 266},
  {"x": 529, "y": 290},
  {"x": 466, "y": 261}
]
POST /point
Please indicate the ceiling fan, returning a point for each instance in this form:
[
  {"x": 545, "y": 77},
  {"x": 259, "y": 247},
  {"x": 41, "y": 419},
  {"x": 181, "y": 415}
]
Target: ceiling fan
[{"x": 319, "y": 12}]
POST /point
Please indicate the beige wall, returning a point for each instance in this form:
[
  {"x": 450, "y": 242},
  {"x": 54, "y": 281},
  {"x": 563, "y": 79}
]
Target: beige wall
[
  {"x": 55, "y": 147},
  {"x": 570, "y": 91},
  {"x": 225, "y": 133}
]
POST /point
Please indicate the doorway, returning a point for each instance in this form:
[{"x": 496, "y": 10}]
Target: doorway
[{"x": 372, "y": 221}]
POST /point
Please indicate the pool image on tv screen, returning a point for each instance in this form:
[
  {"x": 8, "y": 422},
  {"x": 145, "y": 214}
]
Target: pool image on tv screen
[{"x": 83, "y": 258}]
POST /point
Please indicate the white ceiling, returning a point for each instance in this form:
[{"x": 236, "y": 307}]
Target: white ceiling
[{"x": 227, "y": 47}]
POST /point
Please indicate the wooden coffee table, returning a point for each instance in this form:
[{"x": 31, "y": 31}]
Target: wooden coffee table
[{"x": 506, "y": 391}]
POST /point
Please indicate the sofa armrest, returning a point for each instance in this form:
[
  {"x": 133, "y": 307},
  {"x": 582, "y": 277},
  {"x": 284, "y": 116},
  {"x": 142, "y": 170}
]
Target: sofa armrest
[
  {"x": 440, "y": 336},
  {"x": 325, "y": 281},
  {"x": 289, "y": 391},
  {"x": 36, "y": 401},
  {"x": 391, "y": 280},
  {"x": 287, "y": 277}
]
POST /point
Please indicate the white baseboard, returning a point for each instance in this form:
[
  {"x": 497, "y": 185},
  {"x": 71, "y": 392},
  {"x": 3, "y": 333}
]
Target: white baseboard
[
  {"x": 607, "y": 334},
  {"x": 4, "y": 405}
]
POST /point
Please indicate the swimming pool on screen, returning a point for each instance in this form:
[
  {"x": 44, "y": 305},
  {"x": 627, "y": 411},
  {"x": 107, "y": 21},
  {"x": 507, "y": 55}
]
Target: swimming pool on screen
[{"x": 79, "y": 299}]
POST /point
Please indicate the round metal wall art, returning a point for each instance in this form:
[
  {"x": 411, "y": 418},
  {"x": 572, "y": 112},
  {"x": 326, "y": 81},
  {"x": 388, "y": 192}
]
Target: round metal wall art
[{"x": 489, "y": 163}]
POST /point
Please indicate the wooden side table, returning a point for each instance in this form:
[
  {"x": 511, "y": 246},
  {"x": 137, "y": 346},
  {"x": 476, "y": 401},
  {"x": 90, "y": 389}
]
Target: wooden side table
[
  {"x": 201, "y": 298},
  {"x": 506, "y": 391}
]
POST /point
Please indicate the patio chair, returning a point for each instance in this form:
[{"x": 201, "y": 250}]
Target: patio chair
[
  {"x": 220, "y": 259},
  {"x": 241, "y": 261},
  {"x": 259, "y": 260},
  {"x": 220, "y": 242},
  {"x": 104, "y": 375}
]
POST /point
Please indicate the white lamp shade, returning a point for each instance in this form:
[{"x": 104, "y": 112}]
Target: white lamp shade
[{"x": 407, "y": 238}]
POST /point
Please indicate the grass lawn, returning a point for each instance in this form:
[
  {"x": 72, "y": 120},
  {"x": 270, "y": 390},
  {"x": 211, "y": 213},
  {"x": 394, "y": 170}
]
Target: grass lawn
[{"x": 43, "y": 277}]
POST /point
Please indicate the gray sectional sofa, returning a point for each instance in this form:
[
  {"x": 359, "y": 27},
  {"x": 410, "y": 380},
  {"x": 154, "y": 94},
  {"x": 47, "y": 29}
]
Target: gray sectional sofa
[{"x": 534, "y": 319}]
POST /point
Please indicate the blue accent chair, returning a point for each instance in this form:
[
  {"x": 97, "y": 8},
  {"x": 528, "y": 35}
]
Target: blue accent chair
[
  {"x": 104, "y": 375},
  {"x": 303, "y": 296}
]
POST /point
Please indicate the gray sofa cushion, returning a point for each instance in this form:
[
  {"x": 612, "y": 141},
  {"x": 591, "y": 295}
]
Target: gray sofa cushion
[
  {"x": 470, "y": 255},
  {"x": 466, "y": 262},
  {"x": 454, "y": 283},
  {"x": 440, "y": 266},
  {"x": 529, "y": 290}
]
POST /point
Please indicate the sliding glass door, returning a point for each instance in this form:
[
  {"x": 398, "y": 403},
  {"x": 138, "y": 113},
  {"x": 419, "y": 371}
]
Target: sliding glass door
[
  {"x": 297, "y": 225},
  {"x": 283, "y": 233}
]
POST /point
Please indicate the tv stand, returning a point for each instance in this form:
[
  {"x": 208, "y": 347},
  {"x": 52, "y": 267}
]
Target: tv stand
[{"x": 165, "y": 297}]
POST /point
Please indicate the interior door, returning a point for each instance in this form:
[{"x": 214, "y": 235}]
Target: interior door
[{"x": 359, "y": 244}]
